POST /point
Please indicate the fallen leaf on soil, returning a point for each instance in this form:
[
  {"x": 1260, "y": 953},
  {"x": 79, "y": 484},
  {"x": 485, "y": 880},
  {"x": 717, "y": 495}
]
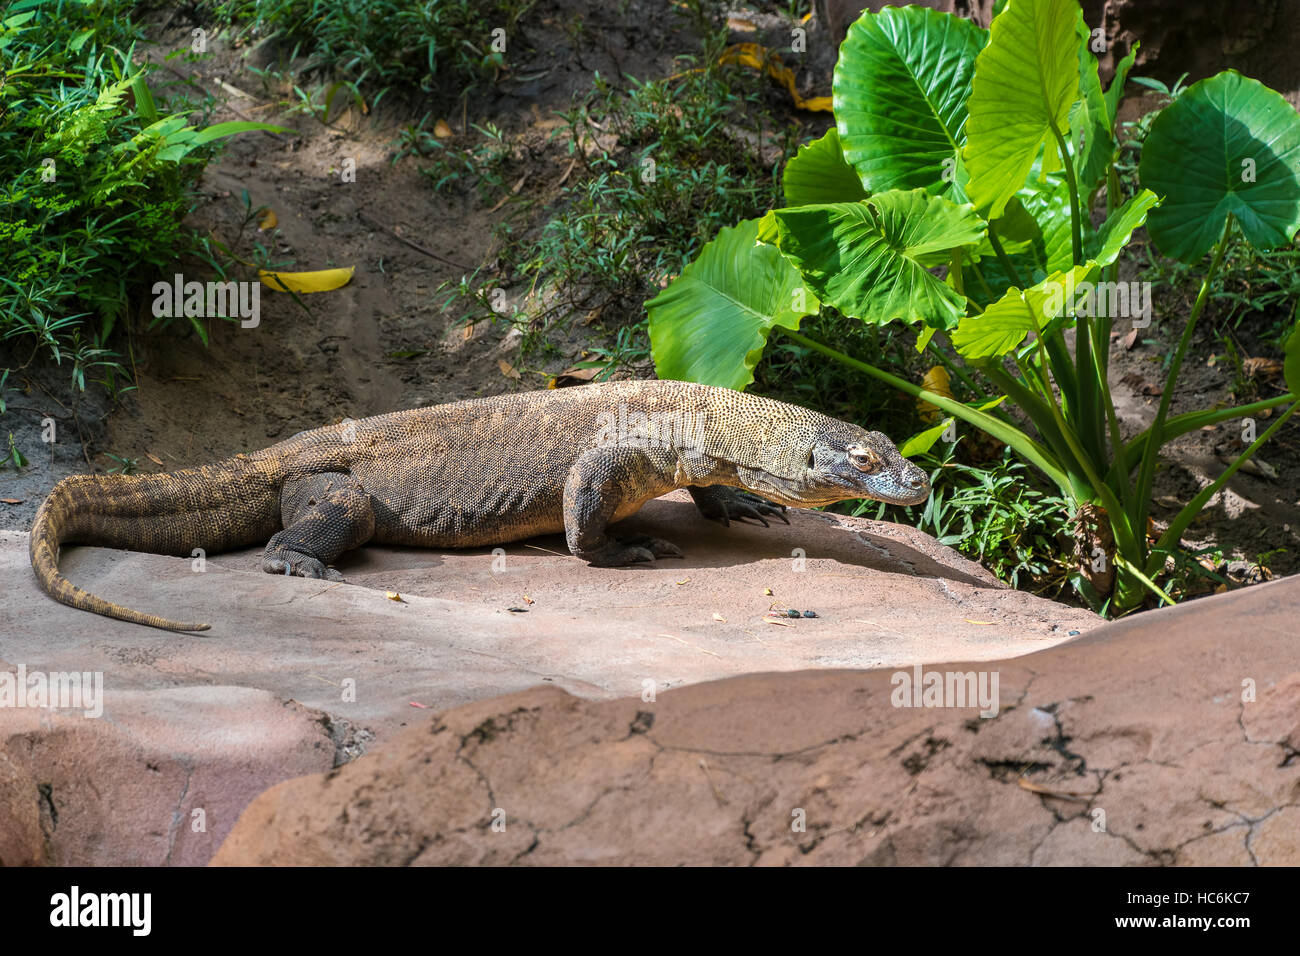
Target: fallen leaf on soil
[
  {"x": 266, "y": 219},
  {"x": 508, "y": 370},
  {"x": 528, "y": 600},
  {"x": 1140, "y": 385},
  {"x": 761, "y": 58},
  {"x": 1130, "y": 340},
  {"x": 573, "y": 376},
  {"x": 12, "y": 501},
  {"x": 719, "y": 618},
  {"x": 394, "y": 596},
  {"x": 1265, "y": 369},
  {"x": 441, "y": 129},
  {"x": 1254, "y": 466},
  {"x": 153, "y": 458},
  {"x": 323, "y": 280}
]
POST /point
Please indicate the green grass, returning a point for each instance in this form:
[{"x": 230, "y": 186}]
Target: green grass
[
  {"x": 378, "y": 47},
  {"x": 658, "y": 168},
  {"x": 93, "y": 183}
]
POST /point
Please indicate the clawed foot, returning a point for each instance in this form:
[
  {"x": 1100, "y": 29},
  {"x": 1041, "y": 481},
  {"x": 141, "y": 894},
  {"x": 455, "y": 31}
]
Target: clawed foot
[
  {"x": 631, "y": 550},
  {"x": 299, "y": 565},
  {"x": 725, "y": 504}
]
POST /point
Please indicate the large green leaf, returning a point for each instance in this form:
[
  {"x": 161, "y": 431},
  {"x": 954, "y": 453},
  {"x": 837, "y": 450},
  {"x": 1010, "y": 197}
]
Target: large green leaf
[
  {"x": 819, "y": 174},
  {"x": 1049, "y": 203},
  {"x": 1025, "y": 82},
  {"x": 869, "y": 259},
  {"x": 711, "y": 324},
  {"x": 900, "y": 91},
  {"x": 1092, "y": 135},
  {"x": 1115, "y": 92},
  {"x": 1120, "y": 225},
  {"x": 1005, "y": 324},
  {"x": 1201, "y": 154}
]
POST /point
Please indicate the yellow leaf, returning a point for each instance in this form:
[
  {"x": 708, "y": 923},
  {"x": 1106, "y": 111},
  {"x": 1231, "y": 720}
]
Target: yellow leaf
[
  {"x": 508, "y": 370},
  {"x": 441, "y": 129},
  {"x": 267, "y": 220},
  {"x": 321, "y": 281},
  {"x": 936, "y": 380},
  {"x": 394, "y": 596},
  {"x": 761, "y": 58}
]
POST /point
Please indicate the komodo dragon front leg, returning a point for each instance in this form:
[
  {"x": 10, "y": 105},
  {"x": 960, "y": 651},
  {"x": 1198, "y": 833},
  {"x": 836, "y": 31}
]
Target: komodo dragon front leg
[
  {"x": 608, "y": 483},
  {"x": 323, "y": 515}
]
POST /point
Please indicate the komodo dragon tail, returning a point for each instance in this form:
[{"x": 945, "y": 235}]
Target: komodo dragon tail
[{"x": 231, "y": 504}]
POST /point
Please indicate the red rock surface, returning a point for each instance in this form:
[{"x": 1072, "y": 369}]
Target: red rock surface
[
  {"x": 1132, "y": 745},
  {"x": 297, "y": 675}
]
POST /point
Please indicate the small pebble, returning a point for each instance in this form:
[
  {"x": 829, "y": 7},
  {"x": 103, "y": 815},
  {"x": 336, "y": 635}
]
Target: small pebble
[
  {"x": 792, "y": 613},
  {"x": 1072, "y": 633},
  {"x": 809, "y": 613}
]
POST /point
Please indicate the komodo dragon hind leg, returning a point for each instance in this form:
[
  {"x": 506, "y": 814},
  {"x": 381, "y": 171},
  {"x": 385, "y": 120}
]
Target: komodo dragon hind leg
[
  {"x": 725, "y": 504},
  {"x": 323, "y": 515},
  {"x": 603, "y": 480}
]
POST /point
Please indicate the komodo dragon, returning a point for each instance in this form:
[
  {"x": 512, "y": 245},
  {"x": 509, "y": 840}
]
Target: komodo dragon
[{"x": 480, "y": 472}]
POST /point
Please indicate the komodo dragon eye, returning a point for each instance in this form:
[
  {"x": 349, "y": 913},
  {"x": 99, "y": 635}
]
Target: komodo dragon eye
[{"x": 865, "y": 460}]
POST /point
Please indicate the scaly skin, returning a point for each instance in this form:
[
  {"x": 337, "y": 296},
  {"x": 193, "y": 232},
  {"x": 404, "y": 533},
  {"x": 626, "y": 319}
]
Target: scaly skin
[{"x": 480, "y": 472}]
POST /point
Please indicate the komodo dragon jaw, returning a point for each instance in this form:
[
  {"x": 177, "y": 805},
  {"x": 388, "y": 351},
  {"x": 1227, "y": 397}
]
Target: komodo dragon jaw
[{"x": 455, "y": 476}]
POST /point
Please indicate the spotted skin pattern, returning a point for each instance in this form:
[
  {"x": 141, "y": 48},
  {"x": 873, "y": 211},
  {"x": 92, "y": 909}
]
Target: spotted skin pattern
[{"x": 486, "y": 471}]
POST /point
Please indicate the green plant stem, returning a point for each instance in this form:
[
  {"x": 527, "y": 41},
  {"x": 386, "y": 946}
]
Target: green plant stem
[
  {"x": 999, "y": 429},
  {"x": 1101, "y": 361},
  {"x": 954, "y": 270},
  {"x": 1076, "y": 211},
  {"x": 1174, "y": 533},
  {"x": 1186, "y": 422},
  {"x": 983, "y": 282},
  {"x": 1003, "y": 258},
  {"x": 1123, "y": 533},
  {"x": 1157, "y": 590},
  {"x": 1147, "y": 475}
]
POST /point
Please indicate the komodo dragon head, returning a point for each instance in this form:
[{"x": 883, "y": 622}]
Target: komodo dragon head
[
  {"x": 850, "y": 462},
  {"x": 831, "y": 461}
]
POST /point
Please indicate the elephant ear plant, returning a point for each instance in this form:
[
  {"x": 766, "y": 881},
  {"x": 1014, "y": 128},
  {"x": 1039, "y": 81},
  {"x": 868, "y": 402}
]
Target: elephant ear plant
[{"x": 980, "y": 156}]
